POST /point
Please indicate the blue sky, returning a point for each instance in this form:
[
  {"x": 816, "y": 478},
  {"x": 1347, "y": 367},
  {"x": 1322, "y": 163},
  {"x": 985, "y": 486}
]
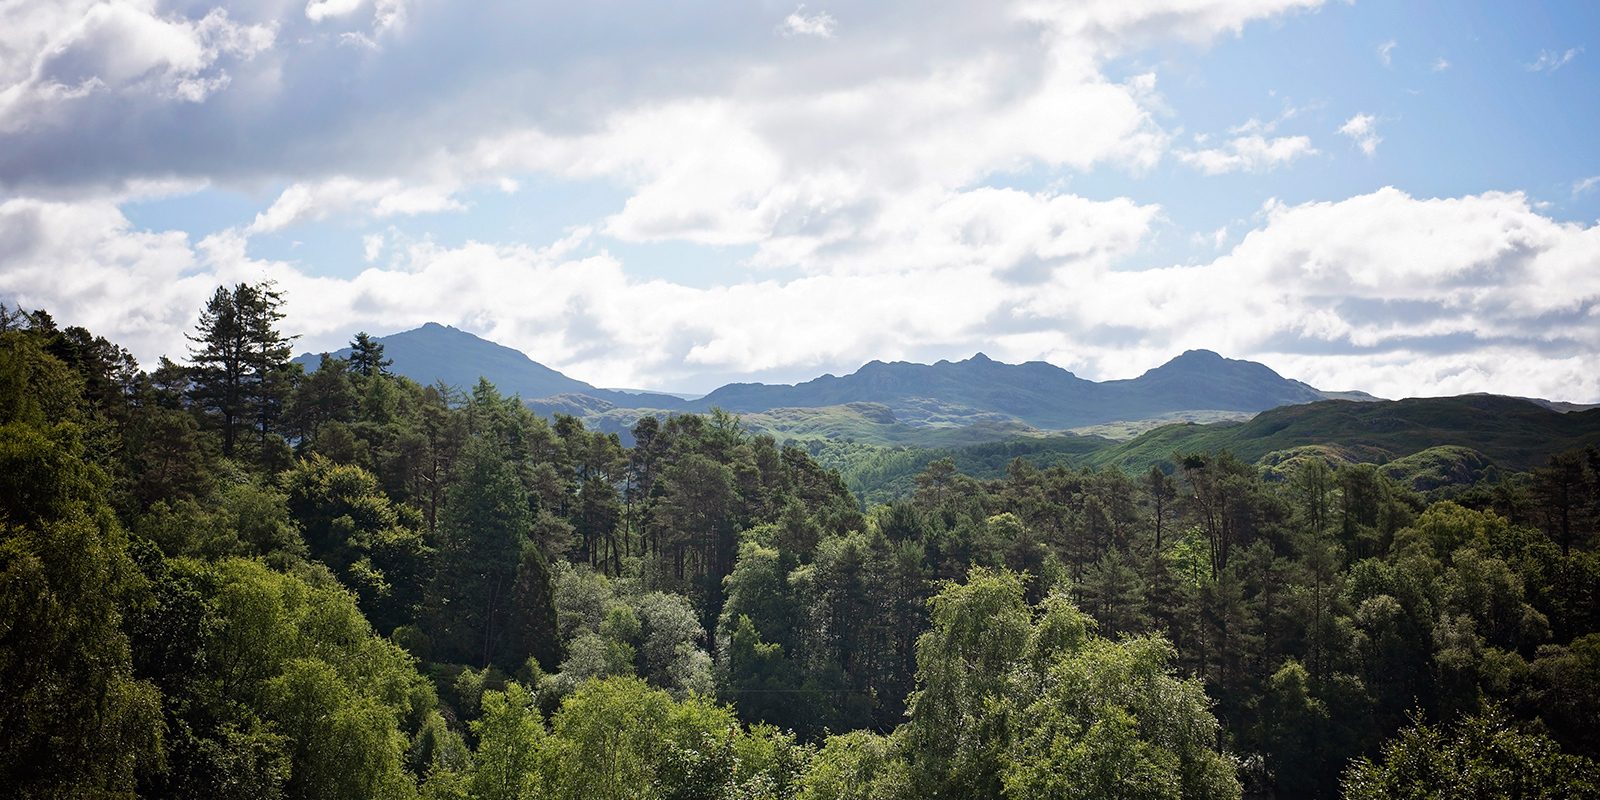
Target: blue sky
[{"x": 1397, "y": 197}]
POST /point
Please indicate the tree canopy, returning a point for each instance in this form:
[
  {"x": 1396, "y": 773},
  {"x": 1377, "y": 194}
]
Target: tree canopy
[{"x": 231, "y": 577}]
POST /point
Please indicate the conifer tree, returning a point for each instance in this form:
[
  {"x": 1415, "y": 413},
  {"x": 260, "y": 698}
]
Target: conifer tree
[
  {"x": 240, "y": 361},
  {"x": 366, "y": 356}
]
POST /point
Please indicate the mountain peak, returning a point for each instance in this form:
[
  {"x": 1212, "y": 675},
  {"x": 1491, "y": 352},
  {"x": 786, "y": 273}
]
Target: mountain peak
[
  {"x": 1197, "y": 361},
  {"x": 980, "y": 358},
  {"x": 436, "y": 352},
  {"x": 437, "y": 328}
]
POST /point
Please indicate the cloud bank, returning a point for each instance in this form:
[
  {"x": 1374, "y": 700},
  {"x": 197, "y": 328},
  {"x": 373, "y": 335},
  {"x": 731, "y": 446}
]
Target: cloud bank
[
  {"x": 1383, "y": 291},
  {"x": 871, "y": 161}
]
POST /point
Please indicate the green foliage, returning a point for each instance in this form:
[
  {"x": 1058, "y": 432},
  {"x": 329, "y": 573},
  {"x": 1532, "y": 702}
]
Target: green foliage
[
  {"x": 76, "y": 720},
  {"x": 611, "y": 628},
  {"x": 241, "y": 375},
  {"x": 278, "y": 638},
  {"x": 1481, "y": 756},
  {"x": 510, "y": 732},
  {"x": 344, "y": 742},
  {"x": 350, "y": 524},
  {"x": 1012, "y": 625},
  {"x": 1022, "y": 701},
  {"x": 620, "y": 738},
  {"x": 856, "y": 766},
  {"x": 474, "y": 597}
]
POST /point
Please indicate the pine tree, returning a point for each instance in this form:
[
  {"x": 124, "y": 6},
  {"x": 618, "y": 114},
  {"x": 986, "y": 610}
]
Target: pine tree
[
  {"x": 270, "y": 371},
  {"x": 240, "y": 362},
  {"x": 485, "y": 529},
  {"x": 1162, "y": 492},
  {"x": 219, "y": 365},
  {"x": 366, "y": 356}
]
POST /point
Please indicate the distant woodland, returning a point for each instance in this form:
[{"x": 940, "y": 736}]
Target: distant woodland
[{"x": 232, "y": 577}]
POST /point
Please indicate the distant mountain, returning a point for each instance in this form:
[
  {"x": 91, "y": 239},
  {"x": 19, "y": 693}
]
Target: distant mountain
[
  {"x": 991, "y": 398},
  {"x": 439, "y": 353},
  {"x": 1036, "y": 393}
]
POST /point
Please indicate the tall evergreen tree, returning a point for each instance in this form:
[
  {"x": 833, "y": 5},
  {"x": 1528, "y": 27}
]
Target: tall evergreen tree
[
  {"x": 479, "y": 609},
  {"x": 218, "y": 358},
  {"x": 366, "y": 356},
  {"x": 241, "y": 369}
]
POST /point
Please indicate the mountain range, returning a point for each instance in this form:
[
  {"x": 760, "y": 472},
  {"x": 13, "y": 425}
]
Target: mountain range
[
  {"x": 884, "y": 401},
  {"x": 883, "y": 423}
]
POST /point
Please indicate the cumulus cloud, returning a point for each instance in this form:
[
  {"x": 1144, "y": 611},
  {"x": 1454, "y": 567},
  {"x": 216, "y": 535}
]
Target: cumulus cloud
[
  {"x": 1386, "y": 292},
  {"x": 1252, "y": 153},
  {"x": 802, "y": 176},
  {"x": 281, "y": 115},
  {"x": 386, "y": 198},
  {"x": 1363, "y": 130},
  {"x": 118, "y": 48},
  {"x": 867, "y": 186}
]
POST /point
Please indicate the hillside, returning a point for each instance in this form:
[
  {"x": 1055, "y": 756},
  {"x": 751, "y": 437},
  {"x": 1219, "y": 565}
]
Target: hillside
[
  {"x": 437, "y": 353},
  {"x": 1513, "y": 433},
  {"x": 860, "y": 422},
  {"x": 1425, "y": 443}
]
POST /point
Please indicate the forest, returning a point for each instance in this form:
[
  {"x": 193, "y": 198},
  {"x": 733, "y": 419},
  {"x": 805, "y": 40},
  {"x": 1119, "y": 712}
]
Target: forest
[{"x": 229, "y": 577}]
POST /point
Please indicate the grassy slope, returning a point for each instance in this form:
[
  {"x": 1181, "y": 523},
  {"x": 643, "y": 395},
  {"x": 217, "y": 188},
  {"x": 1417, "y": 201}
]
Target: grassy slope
[
  {"x": 1514, "y": 434},
  {"x": 1426, "y": 443},
  {"x": 865, "y": 423},
  {"x": 879, "y": 474}
]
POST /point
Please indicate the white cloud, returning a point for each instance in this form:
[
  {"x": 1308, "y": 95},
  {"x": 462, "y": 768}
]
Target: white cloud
[
  {"x": 1386, "y": 52},
  {"x": 1016, "y": 71},
  {"x": 1551, "y": 60},
  {"x": 1252, "y": 153},
  {"x": 796, "y": 175},
  {"x": 1115, "y": 24},
  {"x": 343, "y": 195},
  {"x": 1378, "y": 279},
  {"x": 1363, "y": 130},
  {"x": 318, "y": 10},
  {"x": 120, "y": 48},
  {"x": 860, "y": 183},
  {"x": 385, "y": 16},
  {"x": 1585, "y": 185},
  {"x": 1440, "y": 64},
  {"x": 820, "y": 24},
  {"x": 1385, "y": 292}
]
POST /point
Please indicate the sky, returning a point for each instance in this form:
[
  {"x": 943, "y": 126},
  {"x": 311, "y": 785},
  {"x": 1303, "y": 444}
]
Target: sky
[{"x": 1398, "y": 197}]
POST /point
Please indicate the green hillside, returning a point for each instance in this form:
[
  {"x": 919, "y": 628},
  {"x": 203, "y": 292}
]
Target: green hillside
[
  {"x": 1425, "y": 443},
  {"x": 862, "y": 423},
  {"x": 878, "y": 474},
  {"x": 1513, "y": 433}
]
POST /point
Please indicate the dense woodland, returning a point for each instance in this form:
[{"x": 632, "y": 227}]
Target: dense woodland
[{"x": 232, "y": 578}]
